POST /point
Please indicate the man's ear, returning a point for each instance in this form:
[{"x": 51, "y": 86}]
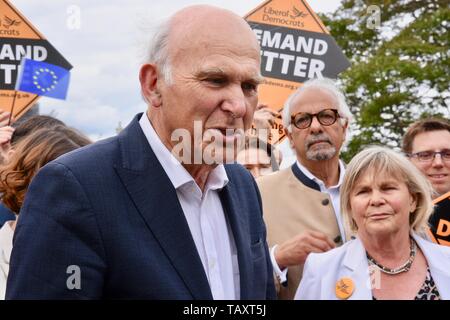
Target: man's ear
[
  {"x": 344, "y": 123},
  {"x": 289, "y": 136},
  {"x": 148, "y": 76}
]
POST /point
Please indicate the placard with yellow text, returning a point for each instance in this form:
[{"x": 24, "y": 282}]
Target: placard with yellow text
[{"x": 440, "y": 220}]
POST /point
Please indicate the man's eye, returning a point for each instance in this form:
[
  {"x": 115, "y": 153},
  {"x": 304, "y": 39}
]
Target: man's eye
[
  {"x": 247, "y": 86},
  {"x": 216, "y": 81},
  {"x": 425, "y": 155}
]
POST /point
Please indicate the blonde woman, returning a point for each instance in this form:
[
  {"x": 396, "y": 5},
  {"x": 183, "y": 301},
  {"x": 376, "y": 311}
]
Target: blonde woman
[{"x": 386, "y": 203}]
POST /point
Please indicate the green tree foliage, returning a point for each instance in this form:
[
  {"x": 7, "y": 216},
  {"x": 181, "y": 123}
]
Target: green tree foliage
[{"x": 400, "y": 67}]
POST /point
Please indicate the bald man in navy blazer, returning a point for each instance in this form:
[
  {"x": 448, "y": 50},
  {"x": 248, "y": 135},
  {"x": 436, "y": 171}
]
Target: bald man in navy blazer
[{"x": 126, "y": 218}]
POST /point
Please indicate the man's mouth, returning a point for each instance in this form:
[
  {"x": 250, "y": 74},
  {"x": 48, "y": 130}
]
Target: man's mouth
[
  {"x": 438, "y": 176},
  {"x": 223, "y": 131},
  {"x": 318, "y": 142},
  {"x": 226, "y": 134}
]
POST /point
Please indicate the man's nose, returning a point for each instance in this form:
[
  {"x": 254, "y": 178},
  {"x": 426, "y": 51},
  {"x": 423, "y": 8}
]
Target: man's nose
[
  {"x": 315, "y": 125},
  {"x": 437, "y": 161},
  {"x": 235, "y": 104}
]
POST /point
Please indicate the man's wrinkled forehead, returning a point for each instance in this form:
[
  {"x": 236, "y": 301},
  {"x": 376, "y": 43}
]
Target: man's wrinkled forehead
[{"x": 314, "y": 95}]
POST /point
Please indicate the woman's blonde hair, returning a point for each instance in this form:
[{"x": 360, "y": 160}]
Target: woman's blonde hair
[{"x": 379, "y": 161}]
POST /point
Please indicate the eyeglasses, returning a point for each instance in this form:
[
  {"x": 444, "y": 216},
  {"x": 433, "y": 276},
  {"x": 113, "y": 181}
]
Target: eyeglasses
[
  {"x": 326, "y": 117},
  {"x": 428, "y": 156}
]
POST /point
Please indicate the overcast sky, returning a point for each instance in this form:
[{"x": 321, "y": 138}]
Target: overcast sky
[{"x": 106, "y": 51}]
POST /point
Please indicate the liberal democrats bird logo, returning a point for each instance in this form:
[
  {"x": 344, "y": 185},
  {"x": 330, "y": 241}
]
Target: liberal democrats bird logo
[
  {"x": 297, "y": 13},
  {"x": 344, "y": 288},
  {"x": 10, "y": 22}
]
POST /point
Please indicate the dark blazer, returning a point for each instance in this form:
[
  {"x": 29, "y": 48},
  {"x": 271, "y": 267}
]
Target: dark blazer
[
  {"x": 110, "y": 210},
  {"x": 5, "y": 214}
]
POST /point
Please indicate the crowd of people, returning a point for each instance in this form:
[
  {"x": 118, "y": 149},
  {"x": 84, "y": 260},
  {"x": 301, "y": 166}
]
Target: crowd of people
[{"x": 145, "y": 215}]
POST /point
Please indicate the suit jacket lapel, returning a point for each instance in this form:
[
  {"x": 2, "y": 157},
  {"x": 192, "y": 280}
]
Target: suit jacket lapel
[
  {"x": 230, "y": 204},
  {"x": 437, "y": 260},
  {"x": 157, "y": 202},
  {"x": 355, "y": 261}
]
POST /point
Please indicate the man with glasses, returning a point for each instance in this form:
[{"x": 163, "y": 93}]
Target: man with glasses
[
  {"x": 301, "y": 203},
  {"x": 427, "y": 144}
]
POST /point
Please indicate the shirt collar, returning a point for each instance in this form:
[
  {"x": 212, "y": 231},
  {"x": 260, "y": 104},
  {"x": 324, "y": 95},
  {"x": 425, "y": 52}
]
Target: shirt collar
[
  {"x": 177, "y": 174},
  {"x": 312, "y": 177}
]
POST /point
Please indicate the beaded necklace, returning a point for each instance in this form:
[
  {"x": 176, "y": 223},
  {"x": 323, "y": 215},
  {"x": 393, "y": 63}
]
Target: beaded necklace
[{"x": 403, "y": 268}]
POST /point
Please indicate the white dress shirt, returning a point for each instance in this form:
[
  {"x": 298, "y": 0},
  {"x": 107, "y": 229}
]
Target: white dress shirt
[
  {"x": 334, "y": 195},
  {"x": 210, "y": 229},
  {"x": 333, "y": 191}
]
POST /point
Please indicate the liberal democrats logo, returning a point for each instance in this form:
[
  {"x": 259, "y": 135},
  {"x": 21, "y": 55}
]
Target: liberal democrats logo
[{"x": 10, "y": 22}]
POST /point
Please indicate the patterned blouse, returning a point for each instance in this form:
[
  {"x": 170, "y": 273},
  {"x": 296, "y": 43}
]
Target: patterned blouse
[{"x": 428, "y": 291}]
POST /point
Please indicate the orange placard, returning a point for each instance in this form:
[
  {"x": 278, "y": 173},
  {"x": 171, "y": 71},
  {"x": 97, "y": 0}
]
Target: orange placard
[
  {"x": 295, "y": 47},
  {"x": 18, "y": 39},
  {"x": 439, "y": 230}
]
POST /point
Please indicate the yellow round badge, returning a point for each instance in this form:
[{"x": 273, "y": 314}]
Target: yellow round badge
[{"x": 344, "y": 288}]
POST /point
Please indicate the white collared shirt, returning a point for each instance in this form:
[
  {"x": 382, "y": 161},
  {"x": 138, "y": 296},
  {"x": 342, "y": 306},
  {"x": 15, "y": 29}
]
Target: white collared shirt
[
  {"x": 333, "y": 191},
  {"x": 210, "y": 229},
  {"x": 334, "y": 195}
]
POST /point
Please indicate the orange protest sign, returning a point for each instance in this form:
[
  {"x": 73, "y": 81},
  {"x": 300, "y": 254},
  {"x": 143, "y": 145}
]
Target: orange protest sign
[
  {"x": 18, "y": 39},
  {"x": 295, "y": 47},
  {"x": 439, "y": 230}
]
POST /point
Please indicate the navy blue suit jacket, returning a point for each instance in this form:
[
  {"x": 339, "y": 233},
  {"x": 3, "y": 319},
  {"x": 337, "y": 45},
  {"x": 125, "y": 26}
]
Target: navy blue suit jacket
[
  {"x": 5, "y": 214},
  {"x": 110, "y": 210}
]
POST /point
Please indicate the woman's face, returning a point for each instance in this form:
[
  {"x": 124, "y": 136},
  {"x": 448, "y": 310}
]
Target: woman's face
[{"x": 381, "y": 204}]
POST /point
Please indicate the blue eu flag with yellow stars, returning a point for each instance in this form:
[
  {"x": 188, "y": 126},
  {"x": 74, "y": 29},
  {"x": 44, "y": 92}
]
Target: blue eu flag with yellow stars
[{"x": 43, "y": 79}]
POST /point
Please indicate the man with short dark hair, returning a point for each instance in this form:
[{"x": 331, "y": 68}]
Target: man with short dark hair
[
  {"x": 427, "y": 144},
  {"x": 259, "y": 157}
]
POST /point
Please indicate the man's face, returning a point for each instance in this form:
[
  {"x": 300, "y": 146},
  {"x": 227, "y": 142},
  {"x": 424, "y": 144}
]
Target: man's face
[
  {"x": 215, "y": 74},
  {"x": 317, "y": 142},
  {"x": 436, "y": 170},
  {"x": 255, "y": 160}
]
